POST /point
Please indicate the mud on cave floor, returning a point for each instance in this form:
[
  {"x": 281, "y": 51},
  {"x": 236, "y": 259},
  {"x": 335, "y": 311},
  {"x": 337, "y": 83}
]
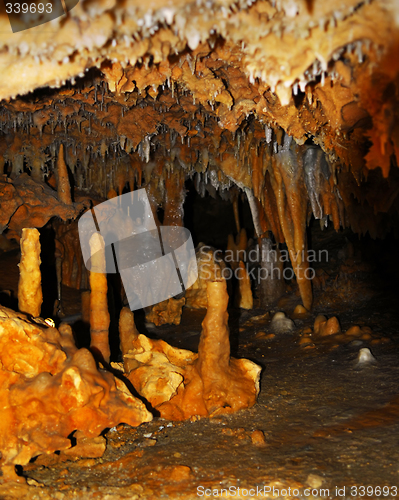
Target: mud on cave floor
[{"x": 326, "y": 422}]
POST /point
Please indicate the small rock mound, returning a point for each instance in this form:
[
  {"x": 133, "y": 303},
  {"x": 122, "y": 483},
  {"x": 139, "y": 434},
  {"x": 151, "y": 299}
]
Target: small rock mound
[
  {"x": 324, "y": 327},
  {"x": 281, "y": 324},
  {"x": 365, "y": 357}
]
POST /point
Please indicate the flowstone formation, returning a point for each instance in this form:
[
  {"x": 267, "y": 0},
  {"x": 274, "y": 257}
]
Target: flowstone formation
[
  {"x": 179, "y": 383},
  {"x": 49, "y": 389}
]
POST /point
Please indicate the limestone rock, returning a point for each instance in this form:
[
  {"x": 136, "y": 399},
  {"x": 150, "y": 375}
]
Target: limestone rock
[
  {"x": 365, "y": 357},
  {"x": 281, "y": 324},
  {"x": 324, "y": 327},
  {"x": 49, "y": 389},
  {"x": 179, "y": 383},
  {"x": 167, "y": 312},
  {"x": 209, "y": 269}
]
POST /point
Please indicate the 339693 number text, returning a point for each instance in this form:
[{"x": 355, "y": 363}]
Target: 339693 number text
[
  {"x": 24, "y": 8},
  {"x": 373, "y": 491}
]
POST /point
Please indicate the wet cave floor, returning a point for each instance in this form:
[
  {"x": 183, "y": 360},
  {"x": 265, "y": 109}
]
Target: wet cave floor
[{"x": 327, "y": 423}]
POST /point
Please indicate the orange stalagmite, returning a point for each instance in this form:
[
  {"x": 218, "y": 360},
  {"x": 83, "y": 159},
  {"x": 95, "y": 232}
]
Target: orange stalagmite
[
  {"x": 127, "y": 335},
  {"x": 30, "y": 295},
  {"x": 218, "y": 383},
  {"x": 243, "y": 298},
  {"x": 99, "y": 315},
  {"x": 210, "y": 267},
  {"x": 63, "y": 186},
  {"x": 179, "y": 383}
]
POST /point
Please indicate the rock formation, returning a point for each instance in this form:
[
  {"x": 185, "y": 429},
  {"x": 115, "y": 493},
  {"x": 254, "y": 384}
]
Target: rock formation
[
  {"x": 50, "y": 389},
  {"x": 179, "y": 383}
]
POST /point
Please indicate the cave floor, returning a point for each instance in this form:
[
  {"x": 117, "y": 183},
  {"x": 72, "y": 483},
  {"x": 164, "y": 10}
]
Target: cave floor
[{"x": 328, "y": 424}]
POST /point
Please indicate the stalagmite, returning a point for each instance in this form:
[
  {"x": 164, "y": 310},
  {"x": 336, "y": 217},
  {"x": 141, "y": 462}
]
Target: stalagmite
[
  {"x": 224, "y": 384},
  {"x": 365, "y": 357},
  {"x": 324, "y": 327},
  {"x": 179, "y": 383},
  {"x": 281, "y": 324},
  {"x": 210, "y": 267},
  {"x": 271, "y": 284},
  {"x": 127, "y": 335},
  {"x": 30, "y": 296},
  {"x": 243, "y": 297},
  {"x": 99, "y": 315},
  {"x": 63, "y": 185}
]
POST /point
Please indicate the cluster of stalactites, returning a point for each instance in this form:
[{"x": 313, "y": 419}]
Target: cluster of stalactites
[{"x": 215, "y": 159}]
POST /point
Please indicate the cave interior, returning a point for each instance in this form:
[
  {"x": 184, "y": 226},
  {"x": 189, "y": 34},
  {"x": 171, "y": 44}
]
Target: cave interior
[{"x": 268, "y": 129}]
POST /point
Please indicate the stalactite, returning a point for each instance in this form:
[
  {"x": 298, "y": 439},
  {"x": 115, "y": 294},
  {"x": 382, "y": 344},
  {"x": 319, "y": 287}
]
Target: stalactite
[
  {"x": 234, "y": 195},
  {"x": 316, "y": 170},
  {"x": 258, "y": 174},
  {"x": 254, "y": 211},
  {"x": 174, "y": 198},
  {"x": 271, "y": 211},
  {"x": 63, "y": 185},
  {"x": 237, "y": 247},
  {"x": 288, "y": 185},
  {"x": 271, "y": 281}
]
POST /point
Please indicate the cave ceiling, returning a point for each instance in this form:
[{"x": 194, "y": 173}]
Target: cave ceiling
[{"x": 225, "y": 93}]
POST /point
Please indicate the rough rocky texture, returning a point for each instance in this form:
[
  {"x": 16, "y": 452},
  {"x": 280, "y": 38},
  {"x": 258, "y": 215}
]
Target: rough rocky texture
[
  {"x": 243, "y": 297},
  {"x": 180, "y": 384},
  {"x": 208, "y": 269},
  {"x": 167, "y": 93},
  {"x": 50, "y": 389},
  {"x": 26, "y": 202},
  {"x": 167, "y": 312},
  {"x": 99, "y": 314},
  {"x": 30, "y": 296}
]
